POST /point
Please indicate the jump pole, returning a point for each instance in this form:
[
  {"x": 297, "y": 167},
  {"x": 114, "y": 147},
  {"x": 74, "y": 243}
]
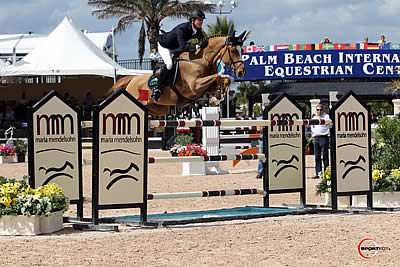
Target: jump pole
[{"x": 213, "y": 193}]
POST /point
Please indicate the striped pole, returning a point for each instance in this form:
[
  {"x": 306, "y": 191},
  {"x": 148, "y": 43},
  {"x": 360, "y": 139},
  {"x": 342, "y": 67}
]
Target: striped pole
[
  {"x": 237, "y": 136},
  {"x": 210, "y": 123},
  {"x": 214, "y": 193},
  {"x": 207, "y": 158}
]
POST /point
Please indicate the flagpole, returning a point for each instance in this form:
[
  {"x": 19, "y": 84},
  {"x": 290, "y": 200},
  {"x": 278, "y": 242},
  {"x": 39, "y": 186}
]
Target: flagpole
[{"x": 113, "y": 42}]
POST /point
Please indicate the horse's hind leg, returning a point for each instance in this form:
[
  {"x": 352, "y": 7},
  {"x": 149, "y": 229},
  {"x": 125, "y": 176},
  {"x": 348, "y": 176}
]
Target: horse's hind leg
[{"x": 158, "y": 110}]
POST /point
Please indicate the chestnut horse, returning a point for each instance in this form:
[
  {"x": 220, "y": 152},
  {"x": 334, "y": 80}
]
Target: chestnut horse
[{"x": 197, "y": 75}]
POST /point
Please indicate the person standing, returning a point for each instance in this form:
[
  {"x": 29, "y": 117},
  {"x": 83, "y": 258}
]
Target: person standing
[
  {"x": 321, "y": 142},
  {"x": 260, "y": 166}
]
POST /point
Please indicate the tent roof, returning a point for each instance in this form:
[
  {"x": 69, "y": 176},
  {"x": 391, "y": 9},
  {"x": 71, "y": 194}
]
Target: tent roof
[
  {"x": 2, "y": 64},
  {"x": 67, "y": 51},
  {"x": 25, "y": 43}
]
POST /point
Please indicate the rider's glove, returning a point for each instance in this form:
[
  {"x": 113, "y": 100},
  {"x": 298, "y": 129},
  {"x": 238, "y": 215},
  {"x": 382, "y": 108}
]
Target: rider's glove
[{"x": 203, "y": 44}]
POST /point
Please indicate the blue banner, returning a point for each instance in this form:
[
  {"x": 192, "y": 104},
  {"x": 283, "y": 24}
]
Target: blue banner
[{"x": 308, "y": 64}]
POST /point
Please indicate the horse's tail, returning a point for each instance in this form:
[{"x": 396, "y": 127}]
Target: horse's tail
[{"x": 123, "y": 82}]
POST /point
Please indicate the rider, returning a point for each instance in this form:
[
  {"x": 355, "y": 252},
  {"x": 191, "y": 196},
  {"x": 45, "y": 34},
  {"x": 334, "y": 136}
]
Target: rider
[{"x": 176, "y": 41}]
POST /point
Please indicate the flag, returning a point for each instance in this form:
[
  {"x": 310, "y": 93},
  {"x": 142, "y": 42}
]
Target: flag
[
  {"x": 317, "y": 46},
  {"x": 249, "y": 49},
  {"x": 306, "y": 47},
  {"x": 143, "y": 96},
  {"x": 395, "y": 46},
  {"x": 260, "y": 49},
  {"x": 350, "y": 46},
  {"x": 361, "y": 46},
  {"x": 338, "y": 46},
  {"x": 294, "y": 47},
  {"x": 327, "y": 46},
  {"x": 333, "y": 96},
  {"x": 384, "y": 47},
  {"x": 372, "y": 46},
  {"x": 109, "y": 41},
  {"x": 282, "y": 47}
]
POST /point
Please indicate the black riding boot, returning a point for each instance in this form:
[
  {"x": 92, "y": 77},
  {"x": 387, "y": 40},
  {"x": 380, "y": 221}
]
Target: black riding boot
[{"x": 161, "y": 78}]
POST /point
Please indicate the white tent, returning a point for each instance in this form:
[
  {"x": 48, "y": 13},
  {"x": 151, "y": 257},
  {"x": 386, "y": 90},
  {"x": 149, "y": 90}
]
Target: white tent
[
  {"x": 2, "y": 64},
  {"x": 67, "y": 51}
]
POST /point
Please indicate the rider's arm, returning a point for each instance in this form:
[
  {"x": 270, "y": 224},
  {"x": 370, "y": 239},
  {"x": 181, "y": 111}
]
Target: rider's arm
[{"x": 182, "y": 43}]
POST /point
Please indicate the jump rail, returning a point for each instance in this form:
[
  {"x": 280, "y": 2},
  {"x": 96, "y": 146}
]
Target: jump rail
[
  {"x": 207, "y": 158},
  {"x": 211, "y": 123},
  {"x": 214, "y": 193}
]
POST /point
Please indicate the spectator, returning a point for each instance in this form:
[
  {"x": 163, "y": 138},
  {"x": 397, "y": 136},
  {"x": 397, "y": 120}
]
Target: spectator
[
  {"x": 321, "y": 142},
  {"x": 326, "y": 40},
  {"x": 21, "y": 108},
  {"x": 382, "y": 41},
  {"x": 8, "y": 118},
  {"x": 365, "y": 40},
  {"x": 88, "y": 103},
  {"x": 252, "y": 43},
  {"x": 260, "y": 166}
]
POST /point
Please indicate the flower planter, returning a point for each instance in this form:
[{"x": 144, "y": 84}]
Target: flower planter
[
  {"x": 20, "y": 157},
  {"x": 19, "y": 225},
  {"x": 32, "y": 225},
  {"x": 343, "y": 201},
  {"x": 52, "y": 223},
  {"x": 193, "y": 168},
  {"x": 380, "y": 200},
  {"x": 9, "y": 159}
]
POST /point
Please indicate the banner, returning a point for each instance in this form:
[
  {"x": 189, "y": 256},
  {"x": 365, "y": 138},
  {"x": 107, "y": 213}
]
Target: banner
[{"x": 308, "y": 64}]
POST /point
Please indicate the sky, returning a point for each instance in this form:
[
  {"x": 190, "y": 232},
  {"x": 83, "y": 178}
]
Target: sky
[{"x": 270, "y": 21}]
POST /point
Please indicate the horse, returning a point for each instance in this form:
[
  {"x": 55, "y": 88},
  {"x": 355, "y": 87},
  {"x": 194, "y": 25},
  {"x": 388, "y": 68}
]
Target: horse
[{"x": 197, "y": 75}]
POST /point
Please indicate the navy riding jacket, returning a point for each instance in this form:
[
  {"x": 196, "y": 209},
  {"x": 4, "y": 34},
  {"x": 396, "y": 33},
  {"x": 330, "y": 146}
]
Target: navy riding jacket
[{"x": 178, "y": 37}]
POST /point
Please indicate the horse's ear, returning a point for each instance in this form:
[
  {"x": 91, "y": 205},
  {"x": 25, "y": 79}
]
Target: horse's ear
[
  {"x": 232, "y": 38},
  {"x": 240, "y": 37}
]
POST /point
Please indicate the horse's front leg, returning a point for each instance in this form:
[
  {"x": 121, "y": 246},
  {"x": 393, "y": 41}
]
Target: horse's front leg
[{"x": 200, "y": 85}]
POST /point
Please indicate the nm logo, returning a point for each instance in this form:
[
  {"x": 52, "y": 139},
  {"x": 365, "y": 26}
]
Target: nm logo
[
  {"x": 55, "y": 122},
  {"x": 352, "y": 121},
  {"x": 285, "y": 116},
  {"x": 122, "y": 122}
]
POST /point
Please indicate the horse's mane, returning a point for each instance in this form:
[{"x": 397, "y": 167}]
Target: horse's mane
[{"x": 215, "y": 36}]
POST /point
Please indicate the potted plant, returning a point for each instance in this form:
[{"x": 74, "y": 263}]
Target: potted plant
[
  {"x": 6, "y": 154},
  {"x": 20, "y": 148},
  {"x": 324, "y": 187},
  {"x": 28, "y": 211},
  {"x": 190, "y": 150}
]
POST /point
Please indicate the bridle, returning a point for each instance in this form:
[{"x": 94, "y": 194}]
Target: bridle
[{"x": 233, "y": 64}]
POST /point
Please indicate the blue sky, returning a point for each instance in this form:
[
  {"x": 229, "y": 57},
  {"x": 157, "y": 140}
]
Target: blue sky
[{"x": 270, "y": 21}]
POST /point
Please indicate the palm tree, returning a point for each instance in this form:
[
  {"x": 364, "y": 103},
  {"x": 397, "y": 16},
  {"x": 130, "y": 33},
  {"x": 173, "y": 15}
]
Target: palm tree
[
  {"x": 149, "y": 12},
  {"x": 221, "y": 26},
  {"x": 245, "y": 89}
]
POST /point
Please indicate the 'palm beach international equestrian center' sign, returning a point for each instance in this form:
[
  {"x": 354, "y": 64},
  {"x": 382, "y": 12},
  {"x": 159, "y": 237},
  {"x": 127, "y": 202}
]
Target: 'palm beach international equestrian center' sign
[{"x": 320, "y": 61}]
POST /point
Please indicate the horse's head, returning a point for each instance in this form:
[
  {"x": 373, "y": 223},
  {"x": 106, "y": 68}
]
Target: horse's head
[{"x": 232, "y": 54}]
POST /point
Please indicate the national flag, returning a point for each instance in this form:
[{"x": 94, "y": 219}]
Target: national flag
[
  {"x": 260, "y": 49},
  {"x": 294, "y": 47},
  {"x": 372, "y": 46},
  {"x": 282, "y": 47},
  {"x": 109, "y": 41},
  {"x": 327, "y": 46},
  {"x": 339, "y": 46},
  {"x": 395, "y": 46},
  {"x": 361, "y": 46},
  {"x": 143, "y": 96},
  {"x": 306, "y": 47},
  {"x": 317, "y": 46},
  {"x": 384, "y": 47},
  {"x": 249, "y": 49},
  {"x": 350, "y": 46}
]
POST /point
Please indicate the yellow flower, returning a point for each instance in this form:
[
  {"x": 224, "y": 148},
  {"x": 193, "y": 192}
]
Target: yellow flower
[
  {"x": 395, "y": 172},
  {"x": 377, "y": 174}
]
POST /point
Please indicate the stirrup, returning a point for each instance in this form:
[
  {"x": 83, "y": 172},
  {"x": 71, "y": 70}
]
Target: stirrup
[{"x": 156, "y": 94}]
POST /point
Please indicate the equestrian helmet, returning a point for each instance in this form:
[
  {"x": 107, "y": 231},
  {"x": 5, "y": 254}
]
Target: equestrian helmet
[{"x": 197, "y": 14}]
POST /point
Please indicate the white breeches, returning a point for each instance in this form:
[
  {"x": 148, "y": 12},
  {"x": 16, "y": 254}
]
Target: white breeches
[{"x": 166, "y": 56}]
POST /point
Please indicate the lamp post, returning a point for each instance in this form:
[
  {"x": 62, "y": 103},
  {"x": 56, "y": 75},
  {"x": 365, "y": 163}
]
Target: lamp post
[{"x": 220, "y": 5}]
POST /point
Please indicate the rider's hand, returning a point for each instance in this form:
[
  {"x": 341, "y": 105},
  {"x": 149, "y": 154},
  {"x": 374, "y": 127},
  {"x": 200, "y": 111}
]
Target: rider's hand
[{"x": 203, "y": 44}]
